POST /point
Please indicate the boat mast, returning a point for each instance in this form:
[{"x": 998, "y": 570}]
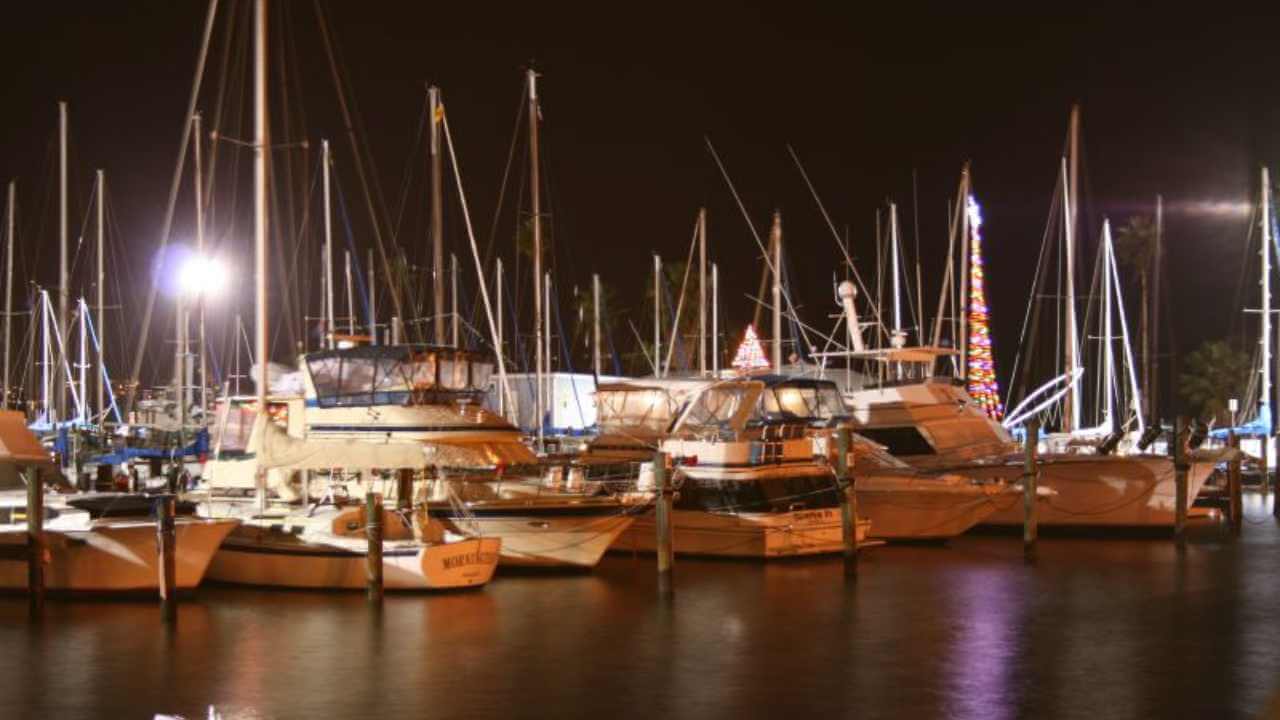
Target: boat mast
[
  {"x": 373, "y": 303},
  {"x": 8, "y": 286},
  {"x": 1264, "y": 396},
  {"x": 657, "y": 315},
  {"x": 260, "y": 145},
  {"x": 437, "y": 213},
  {"x": 702, "y": 293},
  {"x": 351, "y": 296},
  {"x": 535, "y": 201},
  {"x": 894, "y": 263},
  {"x": 453, "y": 295},
  {"x": 102, "y": 300},
  {"x": 63, "y": 281},
  {"x": 1108, "y": 360},
  {"x": 715, "y": 320},
  {"x": 200, "y": 299},
  {"x": 82, "y": 399},
  {"x": 497, "y": 334},
  {"x": 595, "y": 323},
  {"x": 1071, "y": 411},
  {"x": 1071, "y": 414},
  {"x": 546, "y": 332},
  {"x": 776, "y": 241},
  {"x": 1151, "y": 353},
  {"x": 329, "y": 326},
  {"x": 45, "y": 355}
]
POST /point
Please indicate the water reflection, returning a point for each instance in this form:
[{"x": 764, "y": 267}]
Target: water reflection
[{"x": 1097, "y": 627}]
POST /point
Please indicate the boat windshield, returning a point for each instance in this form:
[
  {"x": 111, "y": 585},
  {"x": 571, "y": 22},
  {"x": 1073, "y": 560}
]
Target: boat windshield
[
  {"x": 395, "y": 375},
  {"x": 717, "y": 406},
  {"x": 648, "y": 408},
  {"x": 819, "y": 401}
]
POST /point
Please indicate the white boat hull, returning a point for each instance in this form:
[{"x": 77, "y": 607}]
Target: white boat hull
[
  {"x": 914, "y": 508},
  {"x": 260, "y": 556},
  {"x": 116, "y": 556},
  {"x": 1106, "y": 491},
  {"x": 744, "y": 535},
  {"x": 549, "y": 540}
]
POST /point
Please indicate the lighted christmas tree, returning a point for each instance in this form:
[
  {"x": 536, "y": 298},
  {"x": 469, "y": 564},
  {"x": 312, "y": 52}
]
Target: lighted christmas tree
[
  {"x": 981, "y": 363},
  {"x": 750, "y": 355}
]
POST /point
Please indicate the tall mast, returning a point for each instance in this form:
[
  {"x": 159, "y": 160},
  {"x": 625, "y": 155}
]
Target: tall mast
[
  {"x": 535, "y": 201},
  {"x": 657, "y": 315},
  {"x": 261, "y": 140},
  {"x": 351, "y": 296},
  {"x": 100, "y": 324},
  {"x": 200, "y": 300},
  {"x": 894, "y": 266},
  {"x": 46, "y": 355},
  {"x": 546, "y": 331},
  {"x": 437, "y": 213},
  {"x": 64, "y": 284},
  {"x": 1071, "y": 413},
  {"x": 715, "y": 320},
  {"x": 775, "y": 239},
  {"x": 1108, "y": 359},
  {"x": 373, "y": 303},
  {"x": 1265, "y": 394},
  {"x": 595, "y": 323},
  {"x": 453, "y": 296},
  {"x": 497, "y": 341},
  {"x": 329, "y": 326},
  {"x": 702, "y": 292},
  {"x": 8, "y": 286},
  {"x": 82, "y": 399},
  {"x": 1152, "y": 359}
]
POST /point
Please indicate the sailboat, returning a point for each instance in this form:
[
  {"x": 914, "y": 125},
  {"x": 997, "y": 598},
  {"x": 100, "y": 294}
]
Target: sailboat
[{"x": 290, "y": 544}]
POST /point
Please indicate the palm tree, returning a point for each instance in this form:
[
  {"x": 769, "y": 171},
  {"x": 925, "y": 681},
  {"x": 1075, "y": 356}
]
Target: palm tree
[
  {"x": 1214, "y": 373},
  {"x": 1135, "y": 248}
]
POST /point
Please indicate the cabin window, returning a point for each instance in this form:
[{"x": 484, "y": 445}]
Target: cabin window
[
  {"x": 650, "y": 408},
  {"x": 453, "y": 373}
]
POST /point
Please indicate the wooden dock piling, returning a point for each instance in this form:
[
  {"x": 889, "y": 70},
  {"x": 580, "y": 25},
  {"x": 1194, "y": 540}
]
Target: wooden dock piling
[
  {"x": 1234, "y": 486},
  {"x": 1030, "y": 474},
  {"x": 166, "y": 508},
  {"x": 662, "y": 511},
  {"x": 1180, "y": 468},
  {"x": 848, "y": 503},
  {"x": 35, "y": 540},
  {"x": 373, "y": 532}
]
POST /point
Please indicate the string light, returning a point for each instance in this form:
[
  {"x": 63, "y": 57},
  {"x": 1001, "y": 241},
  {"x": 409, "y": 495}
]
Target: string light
[
  {"x": 750, "y": 355},
  {"x": 983, "y": 387}
]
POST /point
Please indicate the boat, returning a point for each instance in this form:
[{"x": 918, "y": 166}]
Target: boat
[
  {"x": 92, "y": 542},
  {"x": 748, "y": 490},
  {"x": 324, "y": 544},
  {"x": 470, "y": 468}
]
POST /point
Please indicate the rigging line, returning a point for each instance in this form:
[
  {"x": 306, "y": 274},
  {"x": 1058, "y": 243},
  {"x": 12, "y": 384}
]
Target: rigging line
[
  {"x": 786, "y": 292},
  {"x": 915, "y": 230},
  {"x": 1031, "y": 319},
  {"x": 356, "y": 146},
  {"x": 506, "y": 173},
  {"x": 356, "y": 270},
  {"x": 684, "y": 285},
  {"x": 640, "y": 341},
  {"x": 175, "y": 184},
  {"x": 831, "y": 226},
  {"x": 407, "y": 178},
  {"x": 769, "y": 306}
]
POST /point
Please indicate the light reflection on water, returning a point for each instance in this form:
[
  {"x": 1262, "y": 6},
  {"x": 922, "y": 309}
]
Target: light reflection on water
[{"x": 1097, "y": 628}]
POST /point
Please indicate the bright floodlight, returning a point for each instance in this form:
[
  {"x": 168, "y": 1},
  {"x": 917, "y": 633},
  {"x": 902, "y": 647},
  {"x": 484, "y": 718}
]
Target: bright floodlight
[{"x": 202, "y": 276}]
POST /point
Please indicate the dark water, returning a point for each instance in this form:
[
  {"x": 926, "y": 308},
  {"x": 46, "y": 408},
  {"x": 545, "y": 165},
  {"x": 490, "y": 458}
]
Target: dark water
[{"x": 1123, "y": 628}]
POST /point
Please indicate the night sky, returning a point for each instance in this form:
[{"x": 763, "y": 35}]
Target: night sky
[{"x": 1174, "y": 102}]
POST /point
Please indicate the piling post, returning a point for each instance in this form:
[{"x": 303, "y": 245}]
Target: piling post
[
  {"x": 1234, "y": 488},
  {"x": 1180, "y": 478},
  {"x": 404, "y": 489},
  {"x": 166, "y": 507},
  {"x": 1030, "y": 474},
  {"x": 35, "y": 540},
  {"x": 373, "y": 532},
  {"x": 662, "y": 486},
  {"x": 848, "y": 503}
]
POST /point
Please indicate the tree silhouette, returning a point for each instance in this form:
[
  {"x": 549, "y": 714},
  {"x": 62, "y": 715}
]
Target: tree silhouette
[{"x": 1213, "y": 374}]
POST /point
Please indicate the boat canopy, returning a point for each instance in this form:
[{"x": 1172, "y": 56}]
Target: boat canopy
[{"x": 396, "y": 375}]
